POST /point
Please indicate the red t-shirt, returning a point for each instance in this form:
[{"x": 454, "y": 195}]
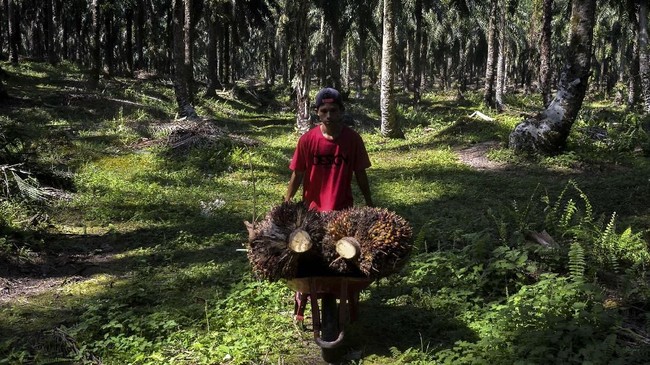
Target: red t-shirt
[{"x": 329, "y": 166}]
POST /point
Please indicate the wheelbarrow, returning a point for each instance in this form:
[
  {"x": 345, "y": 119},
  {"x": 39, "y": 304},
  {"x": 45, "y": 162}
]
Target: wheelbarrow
[{"x": 329, "y": 319}]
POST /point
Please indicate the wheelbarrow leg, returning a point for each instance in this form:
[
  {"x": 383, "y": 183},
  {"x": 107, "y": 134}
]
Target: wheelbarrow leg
[
  {"x": 330, "y": 329},
  {"x": 354, "y": 306},
  {"x": 329, "y": 322}
]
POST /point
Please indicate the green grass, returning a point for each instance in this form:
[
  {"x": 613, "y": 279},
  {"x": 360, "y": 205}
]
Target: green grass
[{"x": 175, "y": 290}]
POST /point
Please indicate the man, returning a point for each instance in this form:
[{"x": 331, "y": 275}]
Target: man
[
  {"x": 324, "y": 161},
  {"x": 327, "y": 156}
]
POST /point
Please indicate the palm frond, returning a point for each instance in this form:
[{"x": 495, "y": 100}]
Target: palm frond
[{"x": 15, "y": 180}]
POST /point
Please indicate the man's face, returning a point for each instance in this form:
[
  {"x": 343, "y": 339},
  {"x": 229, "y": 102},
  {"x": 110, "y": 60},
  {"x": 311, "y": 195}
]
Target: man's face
[{"x": 329, "y": 114}]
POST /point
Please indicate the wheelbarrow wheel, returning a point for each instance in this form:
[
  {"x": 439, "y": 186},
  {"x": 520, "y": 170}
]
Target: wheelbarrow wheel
[{"x": 330, "y": 327}]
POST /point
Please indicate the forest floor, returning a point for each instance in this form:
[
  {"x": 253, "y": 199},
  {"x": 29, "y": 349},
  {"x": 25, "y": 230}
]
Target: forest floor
[
  {"x": 142, "y": 265},
  {"x": 47, "y": 272}
]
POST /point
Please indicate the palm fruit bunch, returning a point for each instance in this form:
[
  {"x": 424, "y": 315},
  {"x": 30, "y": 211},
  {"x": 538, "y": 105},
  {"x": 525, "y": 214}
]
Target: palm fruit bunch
[
  {"x": 285, "y": 241},
  {"x": 342, "y": 224},
  {"x": 381, "y": 237},
  {"x": 390, "y": 244}
]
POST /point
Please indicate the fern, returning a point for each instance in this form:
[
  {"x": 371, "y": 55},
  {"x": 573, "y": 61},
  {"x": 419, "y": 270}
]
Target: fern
[
  {"x": 606, "y": 246},
  {"x": 612, "y": 249},
  {"x": 634, "y": 248},
  {"x": 569, "y": 211},
  {"x": 568, "y": 214},
  {"x": 553, "y": 211},
  {"x": 589, "y": 212},
  {"x": 502, "y": 226},
  {"x": 577, "y": 262},
  {"x": 522, "y": 215}
]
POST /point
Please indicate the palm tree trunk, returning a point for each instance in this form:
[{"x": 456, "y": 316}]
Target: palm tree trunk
[
  {"x": 225, "y": 55},
  {"x": 181, "y": 88},
  {"x": 129, "y": 41},
  {"x": 188, "y": 62},
  {"x": 363, "y": 35},
  {"x": 282, "y": 43},
  {"x": 301, "y": 81},
  {"x": 490, "y": 70},
  {"x": 139, "y": 35},
  {"x": 615, "y": 39},
  {"x": 337, "y": 36},
  {"x": 3, "y": 91},
  {"x": 94, "y": 48},
  {"x": 417, "y": 49},
  {"x": 49, "y": 31},
  {"x": 463, "y": 56},
  {"x": 109, "y": 44},
  {"x": 14, "y": 31},
  {"x": 3, "y": 35},
  {"x": 423, "y": 55},
  {"x": 545, "y": 53},
  {"x": 389, "y": 126},
  {"x": 211, "y": 53},
  {"x": 633, "y": 78},
  {"x": 548, "y": 131},
  {"x": 501, "y": 63},
  {"x": 644, "y": 56}
]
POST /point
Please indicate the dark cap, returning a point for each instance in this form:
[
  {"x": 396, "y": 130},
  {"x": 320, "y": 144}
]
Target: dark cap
[{"x": 328, "y": 95}]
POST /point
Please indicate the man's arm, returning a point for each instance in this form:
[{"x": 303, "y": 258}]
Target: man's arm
[
  {"x": 364, "y": 186},
  {"x": 294, "y": 184}
]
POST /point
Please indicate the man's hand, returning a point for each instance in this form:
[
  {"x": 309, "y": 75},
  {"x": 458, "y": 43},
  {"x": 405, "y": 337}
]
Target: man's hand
[
  {"x": 364, "y": 186},
  {"x": 294, "y": 184}
]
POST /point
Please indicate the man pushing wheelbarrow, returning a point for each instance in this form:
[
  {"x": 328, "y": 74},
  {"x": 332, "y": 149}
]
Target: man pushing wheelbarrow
[
  {"x": 326, "y": 249},
  {"x": 324, "y": 161}
]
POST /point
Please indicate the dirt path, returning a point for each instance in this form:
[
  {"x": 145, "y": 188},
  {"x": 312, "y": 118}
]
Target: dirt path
[
  {"x": 38, "y": 273},
  {"x": 476, "y": 156}
]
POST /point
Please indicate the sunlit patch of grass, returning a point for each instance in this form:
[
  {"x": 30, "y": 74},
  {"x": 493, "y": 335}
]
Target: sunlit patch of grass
[
  {"x": 505, "y": 155},
  {"x": 35, "y": 314}
]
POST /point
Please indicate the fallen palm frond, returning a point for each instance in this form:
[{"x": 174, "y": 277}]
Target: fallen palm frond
[
  {"x": 65, "y": 348},
  {"x": 185, "y": 134},
  {"x": 15, "y": 180}
]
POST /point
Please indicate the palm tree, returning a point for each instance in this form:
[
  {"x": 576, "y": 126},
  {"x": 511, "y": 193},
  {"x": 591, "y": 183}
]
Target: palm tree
[
  {"x": 545, "y": 52},
  {"x": 211, "y": 51},
  {"x": 181, "y": 85},
  {"x": 490, "y": 70},
  {"x": 140, "y": 34},
  {"x": 644, "y": 56},
  {"x": 389, "y": 125},
  {"x": 94, "y": 49},
  {"x": 338, "y": 21},
  {"x": 501, "y": 60},
  {"x": 109, "y": 39},
  {"x": 633, "y": 68},
  {"x": 417, "y": 49},
  {"x": 50, "y": 29},
  {"x": 366, "y": 29},
  {"x": 548, "y": 131},
  {"x": 14, "y": 30},
  {"x": 300, "y": 53},
  {"x": 3, "y": 91}
]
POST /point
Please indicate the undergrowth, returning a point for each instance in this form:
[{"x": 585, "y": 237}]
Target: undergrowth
[{"x": 535, "y": 263}]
